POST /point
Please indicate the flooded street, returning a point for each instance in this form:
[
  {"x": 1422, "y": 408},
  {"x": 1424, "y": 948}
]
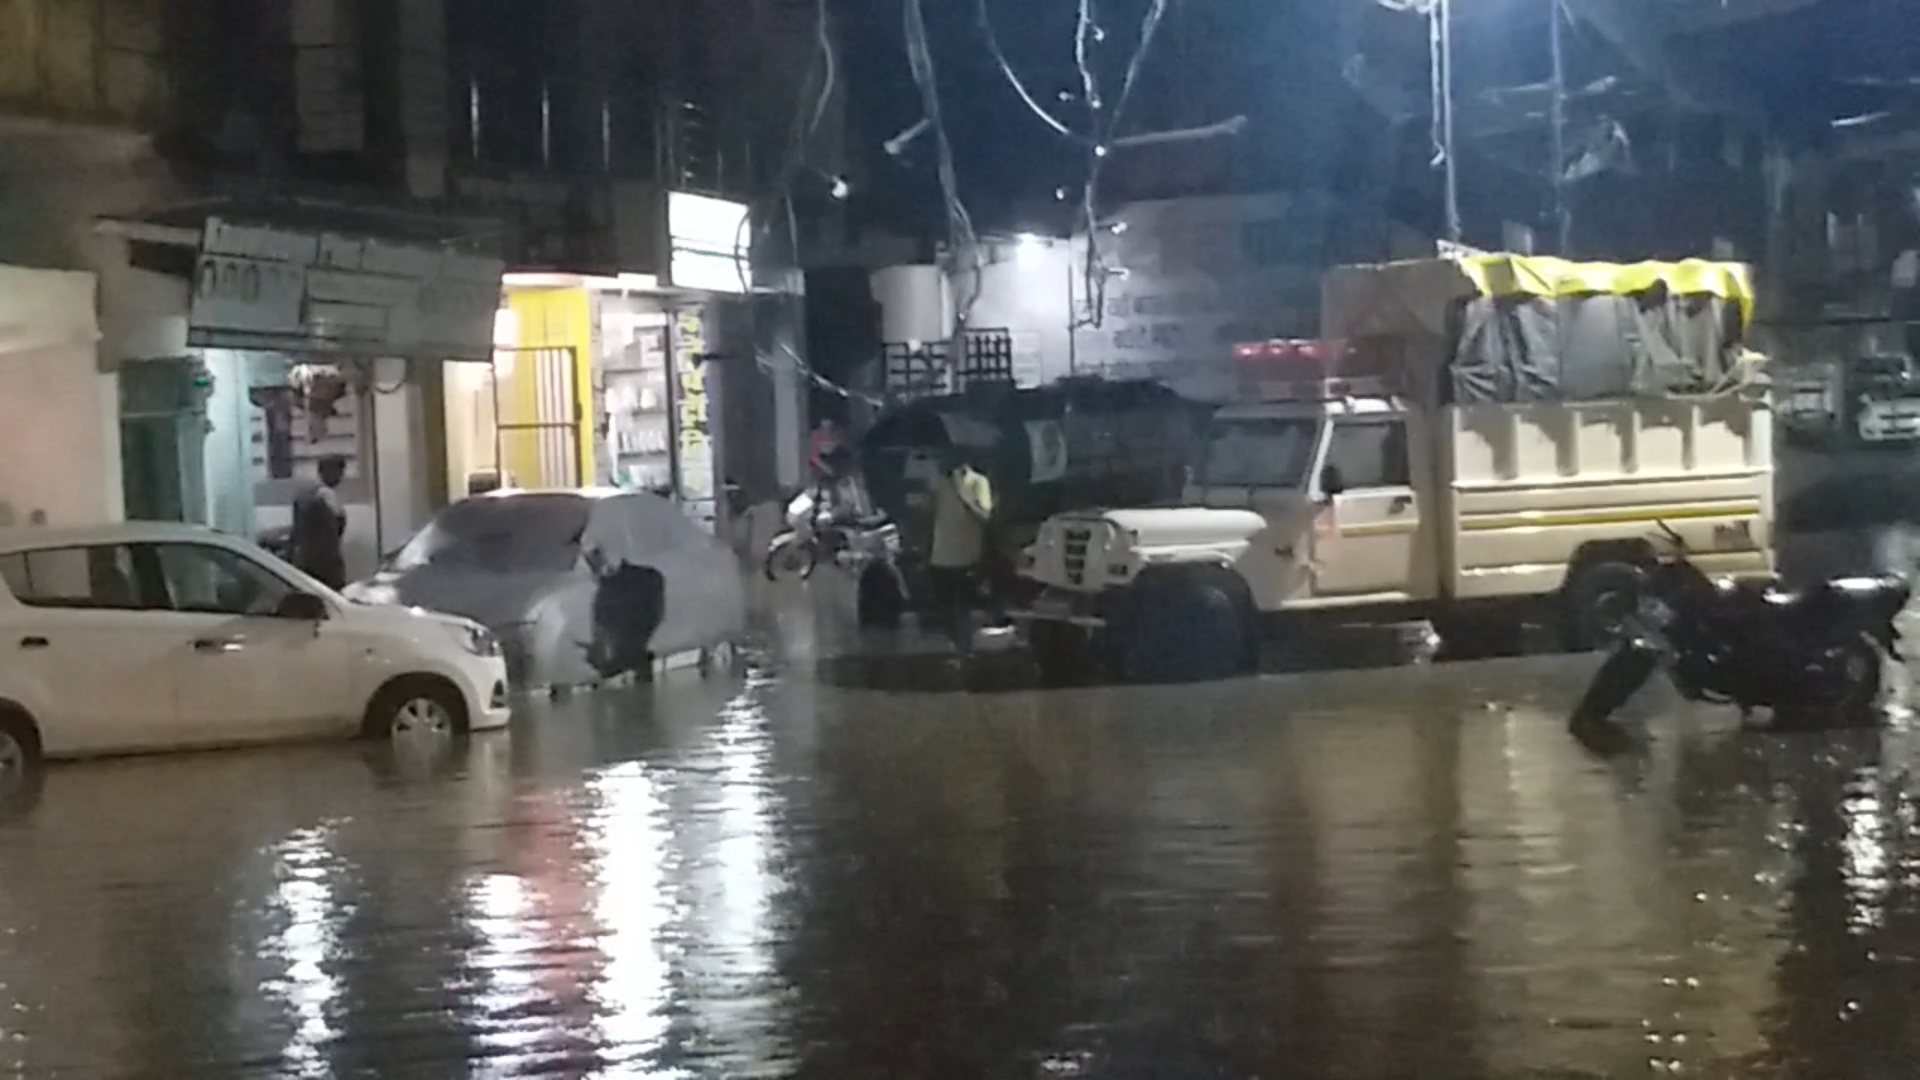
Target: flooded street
[{"x": 839, "y": 868}]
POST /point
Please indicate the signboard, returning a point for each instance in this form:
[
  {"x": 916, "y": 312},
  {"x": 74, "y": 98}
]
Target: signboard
[
  {"x": 707, "y": 243},
  {"x": 692, "y": 430},
  {"x": 260, "y": 287}
]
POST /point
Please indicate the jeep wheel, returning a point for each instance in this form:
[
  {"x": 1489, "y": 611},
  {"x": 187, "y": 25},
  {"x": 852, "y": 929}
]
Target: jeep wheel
[{"x": 1183, "y": 628}]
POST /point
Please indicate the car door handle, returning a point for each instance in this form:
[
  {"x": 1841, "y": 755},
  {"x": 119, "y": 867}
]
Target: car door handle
[
  {"x": 219, "y": 645},
  {"x": 1400, "y": 504},
  {"x": 34, "y": 641}
]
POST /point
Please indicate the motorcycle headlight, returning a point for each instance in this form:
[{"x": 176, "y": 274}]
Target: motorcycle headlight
[{"x": 476, "y": 639}]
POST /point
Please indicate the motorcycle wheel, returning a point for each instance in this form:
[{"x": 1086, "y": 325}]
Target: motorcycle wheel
[
  {"x": 1858, "y": 665},
  {"x": 788, "y": 557}
]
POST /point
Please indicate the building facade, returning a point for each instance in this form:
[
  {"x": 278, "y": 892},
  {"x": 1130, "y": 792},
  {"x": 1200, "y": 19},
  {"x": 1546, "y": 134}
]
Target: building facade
[{"x": 374, "y": 160}]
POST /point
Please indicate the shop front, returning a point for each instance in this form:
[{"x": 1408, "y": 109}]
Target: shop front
[
  {"x": 304, "y": 344},
  {"x": 610, "y": 379},
  {"x": 596, "y": 380}
]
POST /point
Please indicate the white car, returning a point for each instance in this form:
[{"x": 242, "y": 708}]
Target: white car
[{"x": 151, "y": 636}]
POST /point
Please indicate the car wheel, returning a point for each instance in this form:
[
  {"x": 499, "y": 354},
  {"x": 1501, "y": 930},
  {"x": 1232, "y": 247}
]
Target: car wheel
[
  {"x": 417, "y": 709},
  {"x": 718, "y": 659},
  {"x": 22, "y": 767}
]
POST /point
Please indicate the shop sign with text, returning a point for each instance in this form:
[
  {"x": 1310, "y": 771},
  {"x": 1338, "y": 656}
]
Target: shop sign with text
[{"x": 267, "y": 288}]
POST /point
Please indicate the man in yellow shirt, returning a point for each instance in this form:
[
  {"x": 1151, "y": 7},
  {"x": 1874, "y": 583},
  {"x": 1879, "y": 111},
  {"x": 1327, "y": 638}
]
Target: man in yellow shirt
[{"x": 962, "y": 506}]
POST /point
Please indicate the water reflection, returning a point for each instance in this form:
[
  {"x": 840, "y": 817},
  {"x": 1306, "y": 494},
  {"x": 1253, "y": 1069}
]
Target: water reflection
[
  {"x": 306, "y": 946},
  {"x": 1336, "y": 876},
  {"x": 632, "y": 857}
]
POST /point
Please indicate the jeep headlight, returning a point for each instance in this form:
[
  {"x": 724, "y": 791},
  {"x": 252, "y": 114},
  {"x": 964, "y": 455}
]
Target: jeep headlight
[{"x": 476, "y": 639}]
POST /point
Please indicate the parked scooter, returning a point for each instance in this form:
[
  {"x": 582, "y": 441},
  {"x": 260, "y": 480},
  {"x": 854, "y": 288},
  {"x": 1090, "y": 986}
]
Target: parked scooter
[
  {"x": 1816, "y": 652},
  {"x": 815, "y": 533}
]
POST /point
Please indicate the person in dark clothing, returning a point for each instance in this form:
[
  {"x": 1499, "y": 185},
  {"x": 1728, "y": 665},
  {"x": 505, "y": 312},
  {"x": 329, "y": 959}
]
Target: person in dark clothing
[
  {"x": 628, "y": 606},
  {"x": 320, "y": 525}
]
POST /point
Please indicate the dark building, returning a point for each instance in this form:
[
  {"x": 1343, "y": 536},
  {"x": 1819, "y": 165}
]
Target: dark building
[{"x": 546, "y": 134}]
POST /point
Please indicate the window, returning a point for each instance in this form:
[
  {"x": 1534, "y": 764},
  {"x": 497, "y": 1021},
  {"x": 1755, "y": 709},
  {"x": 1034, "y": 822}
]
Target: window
[
  {"x": 1370, "y": 454},
  {"x": 1259, "y": 452},
  {"x": 100, "y": 576},
  {"x": 212, "y": 580}
]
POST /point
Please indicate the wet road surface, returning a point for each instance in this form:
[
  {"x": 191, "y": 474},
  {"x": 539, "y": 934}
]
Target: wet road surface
[{"x": 1386, "y": 873}]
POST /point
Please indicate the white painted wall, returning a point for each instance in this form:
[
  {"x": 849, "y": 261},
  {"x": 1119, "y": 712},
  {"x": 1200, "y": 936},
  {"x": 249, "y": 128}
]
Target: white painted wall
[
  {"x": 1198, "y": 276},
  {"x": 59, "y": 414},
  {"x": 400, "y": 455}
]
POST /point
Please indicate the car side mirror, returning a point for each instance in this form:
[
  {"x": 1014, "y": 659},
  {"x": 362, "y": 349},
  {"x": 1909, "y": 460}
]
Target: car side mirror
[
  {"x": 1332, "y": 484},
  {"x": 303, "y": 607}
]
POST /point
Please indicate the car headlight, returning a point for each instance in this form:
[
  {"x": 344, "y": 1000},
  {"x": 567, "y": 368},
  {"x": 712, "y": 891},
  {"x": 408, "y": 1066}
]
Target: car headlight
[{"x": 476, "y": 639}]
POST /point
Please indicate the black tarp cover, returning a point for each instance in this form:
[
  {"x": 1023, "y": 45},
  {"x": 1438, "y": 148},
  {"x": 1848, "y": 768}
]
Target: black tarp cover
[{"x": 1512, "y": 328}]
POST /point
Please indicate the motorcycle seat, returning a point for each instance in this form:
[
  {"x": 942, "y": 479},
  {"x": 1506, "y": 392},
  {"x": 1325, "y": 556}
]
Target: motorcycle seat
[{"x": 1843, "y": 590}]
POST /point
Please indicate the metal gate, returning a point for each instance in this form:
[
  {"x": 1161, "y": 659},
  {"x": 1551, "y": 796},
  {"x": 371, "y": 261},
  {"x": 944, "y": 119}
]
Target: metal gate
[
  {"x": 922, "y": 369},
  {"x": 538, "y": 417}
]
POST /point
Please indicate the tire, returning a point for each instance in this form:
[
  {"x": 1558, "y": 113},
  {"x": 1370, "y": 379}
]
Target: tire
[
  {"x": 1062, "y": 652},
  {"x": 1862, "y": 667},
  {"x": 788, "y": 557},
  {"x": 1183, "y": 628},
  {"x": 878, "y": 601},
  {"x": 22, "y": 764},
  {"x": 1595, "y": 596},
  {"x": 415, "y": 707}
]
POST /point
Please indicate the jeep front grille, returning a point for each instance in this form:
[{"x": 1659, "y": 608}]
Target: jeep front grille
[{"x": 1075, "y": 543}]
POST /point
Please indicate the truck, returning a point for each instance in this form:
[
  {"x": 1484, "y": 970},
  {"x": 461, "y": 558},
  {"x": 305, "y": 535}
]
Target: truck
[
  {"x": 1075, "y": 443},
  {"x": 1478, "y": 438}
]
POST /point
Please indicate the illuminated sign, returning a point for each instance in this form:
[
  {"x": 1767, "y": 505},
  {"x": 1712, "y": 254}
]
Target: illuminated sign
[
  {"x": 692, "y": 426},
  {"x": 708, "y": 243}
]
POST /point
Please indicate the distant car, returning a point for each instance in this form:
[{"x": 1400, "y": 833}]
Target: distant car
[
  {"x": 579, "y": 585},
  {"x": 150, "y": 636}
]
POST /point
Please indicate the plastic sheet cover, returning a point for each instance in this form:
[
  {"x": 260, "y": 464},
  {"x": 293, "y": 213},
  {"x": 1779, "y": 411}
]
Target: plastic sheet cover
[
  {"x": 579, "y": 586},
  {"x": 1509, "y": 328}
]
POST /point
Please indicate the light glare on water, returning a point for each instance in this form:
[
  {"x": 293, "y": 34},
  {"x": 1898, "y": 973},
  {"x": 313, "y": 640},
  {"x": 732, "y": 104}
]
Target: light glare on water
[{"x": 1343, "y": 875}]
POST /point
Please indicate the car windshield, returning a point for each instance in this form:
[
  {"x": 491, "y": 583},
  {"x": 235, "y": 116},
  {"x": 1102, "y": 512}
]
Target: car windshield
[
  {"x": 501, "y": 535},
  {"x": 1264, "y": 451}
]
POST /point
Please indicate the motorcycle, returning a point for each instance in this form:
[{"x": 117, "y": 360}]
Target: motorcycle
[
  {"x": 1798, "y": 653},
  {"x": 816, "y": 534}
]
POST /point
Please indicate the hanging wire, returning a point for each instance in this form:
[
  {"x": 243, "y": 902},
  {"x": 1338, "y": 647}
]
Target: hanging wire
[
  {"x": 1095, "y": 268},
  {"x": 811, "y": 113},
  {"x": 1013, "y": 79},
  {"x": 962, "y": 241}
]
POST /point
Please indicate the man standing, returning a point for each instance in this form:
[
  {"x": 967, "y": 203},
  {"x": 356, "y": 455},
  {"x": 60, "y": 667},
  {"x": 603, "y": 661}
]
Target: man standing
[
  {"x": 320, "y": 524},
  {"x": 962, "y": 505}
]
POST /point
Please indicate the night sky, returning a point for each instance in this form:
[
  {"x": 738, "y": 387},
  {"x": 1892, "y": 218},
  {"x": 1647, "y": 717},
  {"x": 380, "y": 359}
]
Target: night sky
[{"x": 1279, "y": 61}]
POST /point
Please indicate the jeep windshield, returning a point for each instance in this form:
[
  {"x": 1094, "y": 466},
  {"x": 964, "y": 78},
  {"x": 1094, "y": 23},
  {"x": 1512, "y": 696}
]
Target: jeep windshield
[{"x": 1261, "y": 451}]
